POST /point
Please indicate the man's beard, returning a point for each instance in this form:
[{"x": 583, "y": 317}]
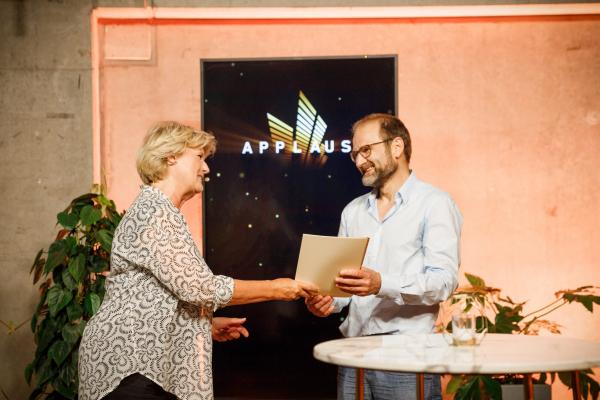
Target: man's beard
[{"x": 380, "y": 175}]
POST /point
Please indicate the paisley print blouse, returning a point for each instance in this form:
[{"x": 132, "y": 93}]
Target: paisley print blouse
[{"x": 156, "y": 315}]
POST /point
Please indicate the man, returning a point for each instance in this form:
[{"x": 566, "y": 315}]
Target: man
[{"x": 411, "y": 264}]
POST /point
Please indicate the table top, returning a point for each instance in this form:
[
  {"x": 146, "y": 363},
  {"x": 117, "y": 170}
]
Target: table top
[{"x": 497, "y": 354}]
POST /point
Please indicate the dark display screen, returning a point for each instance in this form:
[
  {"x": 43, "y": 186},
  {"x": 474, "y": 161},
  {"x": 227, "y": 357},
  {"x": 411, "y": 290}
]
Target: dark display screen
[{"x": 281, "y": 169}]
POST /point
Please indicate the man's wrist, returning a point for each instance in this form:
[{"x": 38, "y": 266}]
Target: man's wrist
[
  {"x": 378, "y": 283},
  {"x": 386, "y": 287}
]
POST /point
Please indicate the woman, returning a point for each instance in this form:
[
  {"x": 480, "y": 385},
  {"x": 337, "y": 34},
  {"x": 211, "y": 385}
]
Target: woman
[{"x": 151, "y": 337}]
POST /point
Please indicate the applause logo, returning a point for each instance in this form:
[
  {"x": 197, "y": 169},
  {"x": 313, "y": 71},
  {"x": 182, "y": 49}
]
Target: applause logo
[{"x": 307, "y": 139}]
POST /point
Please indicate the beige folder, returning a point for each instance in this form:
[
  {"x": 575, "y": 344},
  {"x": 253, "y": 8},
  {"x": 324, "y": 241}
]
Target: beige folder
[{"x": 322, "y": 257}]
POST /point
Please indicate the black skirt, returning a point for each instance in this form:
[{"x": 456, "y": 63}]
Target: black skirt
[{"x": 138, "y": 387}]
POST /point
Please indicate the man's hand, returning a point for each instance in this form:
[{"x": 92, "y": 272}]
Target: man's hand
[
  {"x": 361, "y": 282},
  {"x": 224, "y": 329},
  {"x": 321, "y": 306}
]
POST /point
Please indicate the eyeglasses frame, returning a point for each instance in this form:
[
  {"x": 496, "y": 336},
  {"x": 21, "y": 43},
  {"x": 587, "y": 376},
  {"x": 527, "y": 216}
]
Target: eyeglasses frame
[{"x": 366, "y": 149}]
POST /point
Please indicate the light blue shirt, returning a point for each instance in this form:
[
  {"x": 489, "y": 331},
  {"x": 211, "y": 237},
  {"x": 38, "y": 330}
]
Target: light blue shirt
[{"x": 415, "y": 248}]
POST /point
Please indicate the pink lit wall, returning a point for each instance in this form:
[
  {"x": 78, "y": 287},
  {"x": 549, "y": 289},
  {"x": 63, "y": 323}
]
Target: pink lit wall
[{"x": 504, "y": 115}]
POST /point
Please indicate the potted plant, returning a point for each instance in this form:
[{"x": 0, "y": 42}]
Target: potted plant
[
  {"x": 72, "y": 274},
  {"x": 502, "y": 314}
]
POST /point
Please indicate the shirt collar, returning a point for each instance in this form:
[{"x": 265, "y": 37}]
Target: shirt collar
[
  {"x": 407, "y": 187},
  {"x": 402, "y": 195}
]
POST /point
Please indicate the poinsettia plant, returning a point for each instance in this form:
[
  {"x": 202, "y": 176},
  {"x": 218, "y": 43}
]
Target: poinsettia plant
[
  {"x": 502, "y": 314},
  {"x": 72, "y": 275}
]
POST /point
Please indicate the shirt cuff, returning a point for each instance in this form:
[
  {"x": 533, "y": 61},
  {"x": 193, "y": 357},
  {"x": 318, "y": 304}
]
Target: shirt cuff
[
  {"x": 223, "y": 291},
  {"x": 390, "y": 290},
  {"x": 339, "y": 303}
]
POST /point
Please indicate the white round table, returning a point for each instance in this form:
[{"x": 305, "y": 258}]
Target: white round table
[{"x": 430, "y": 353}]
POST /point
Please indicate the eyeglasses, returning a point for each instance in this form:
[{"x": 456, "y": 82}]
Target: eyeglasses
[{"x": 365, "y": 151}]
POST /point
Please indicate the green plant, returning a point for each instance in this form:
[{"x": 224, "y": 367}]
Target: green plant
[
  {"x": 73, "y": 272},
  {"x": 508, "y": 316}
]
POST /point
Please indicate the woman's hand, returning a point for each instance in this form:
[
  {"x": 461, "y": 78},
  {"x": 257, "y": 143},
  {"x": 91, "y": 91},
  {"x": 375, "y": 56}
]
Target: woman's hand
[
  {"x": 224, "y": 329},
  {"x": 289, "y": 289}
]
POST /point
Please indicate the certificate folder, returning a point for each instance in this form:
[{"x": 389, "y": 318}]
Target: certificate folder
[{"x": 323, "y": 257}]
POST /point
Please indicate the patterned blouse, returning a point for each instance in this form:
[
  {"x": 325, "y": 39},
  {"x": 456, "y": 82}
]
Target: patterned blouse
[{"x": 156, "y": 315}]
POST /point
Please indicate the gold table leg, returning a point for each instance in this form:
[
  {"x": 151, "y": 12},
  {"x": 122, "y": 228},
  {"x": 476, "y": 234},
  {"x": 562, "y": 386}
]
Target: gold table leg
[
  {"x": 360, "y": 384},
  {"x": 576, "y": 381},
  {"x": 420, "y": 386},
  {"x": 528, "y": 387}
]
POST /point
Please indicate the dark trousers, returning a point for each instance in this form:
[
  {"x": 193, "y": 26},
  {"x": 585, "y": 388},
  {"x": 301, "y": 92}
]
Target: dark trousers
[{"x": 138, "y": 387}]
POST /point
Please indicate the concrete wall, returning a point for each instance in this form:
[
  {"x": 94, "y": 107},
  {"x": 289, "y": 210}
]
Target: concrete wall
[
  {"x": 46, "y": 142},
  {"x": 46, "y": 147}
]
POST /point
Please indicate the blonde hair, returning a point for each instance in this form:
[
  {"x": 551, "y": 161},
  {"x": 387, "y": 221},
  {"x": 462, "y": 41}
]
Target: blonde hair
[{"x": 165, "y": 140}]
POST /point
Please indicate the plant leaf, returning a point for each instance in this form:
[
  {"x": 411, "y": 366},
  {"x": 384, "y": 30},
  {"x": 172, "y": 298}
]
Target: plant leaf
[
  {"x": 492, "y": 387},
  {"x": 74, "y": 311},
  {"x": 70, "y": 244},
  {"x": 475, "y": 280},
  {"x": 61, "y": 234},
  {"x": 81, "y": 326},
  {"x": 105, "y": 238},
  {"x": 68, "y": 280},
  {"x": 594, "y": 388},
  {"x": 114, "y": 216},
  {"x": 59, "y": 351},
  {"x": 45, "y": 335},
  {"x": 56, "y": 256},
  {"x": 71, "y": 333},
  {"x": 37, "y": 259},
  {"x": 465, "y": 392},
  {"x": 77, "y": 267},
  {"x": 28, "y": 373},
  {"x": 568, "y": 297},
  {"x": 583, "y": 385},
  {"x": 58, "y": 299},
  {"x": 68, "y": 373},
  {"x": 83, "y": 199},
  {"x": 565, "y": 378},
  {"x": 67, "y": 220},
  {"x": 46, "y": 372},
  {"x": 91, "y": 304},
  {"x": 103, "y": 200},
  {"x": 63, "y": 389},
  {"x": 98, "y": 286},
  {"x": 454, "y": 384},
  {"x": 38, "y": 266},
  {"x": 586, "y": 301},
  {"x": 90, "y": 215},
  {"x": 68, "y": 376},
  {"x": 98, "y": 264}
]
